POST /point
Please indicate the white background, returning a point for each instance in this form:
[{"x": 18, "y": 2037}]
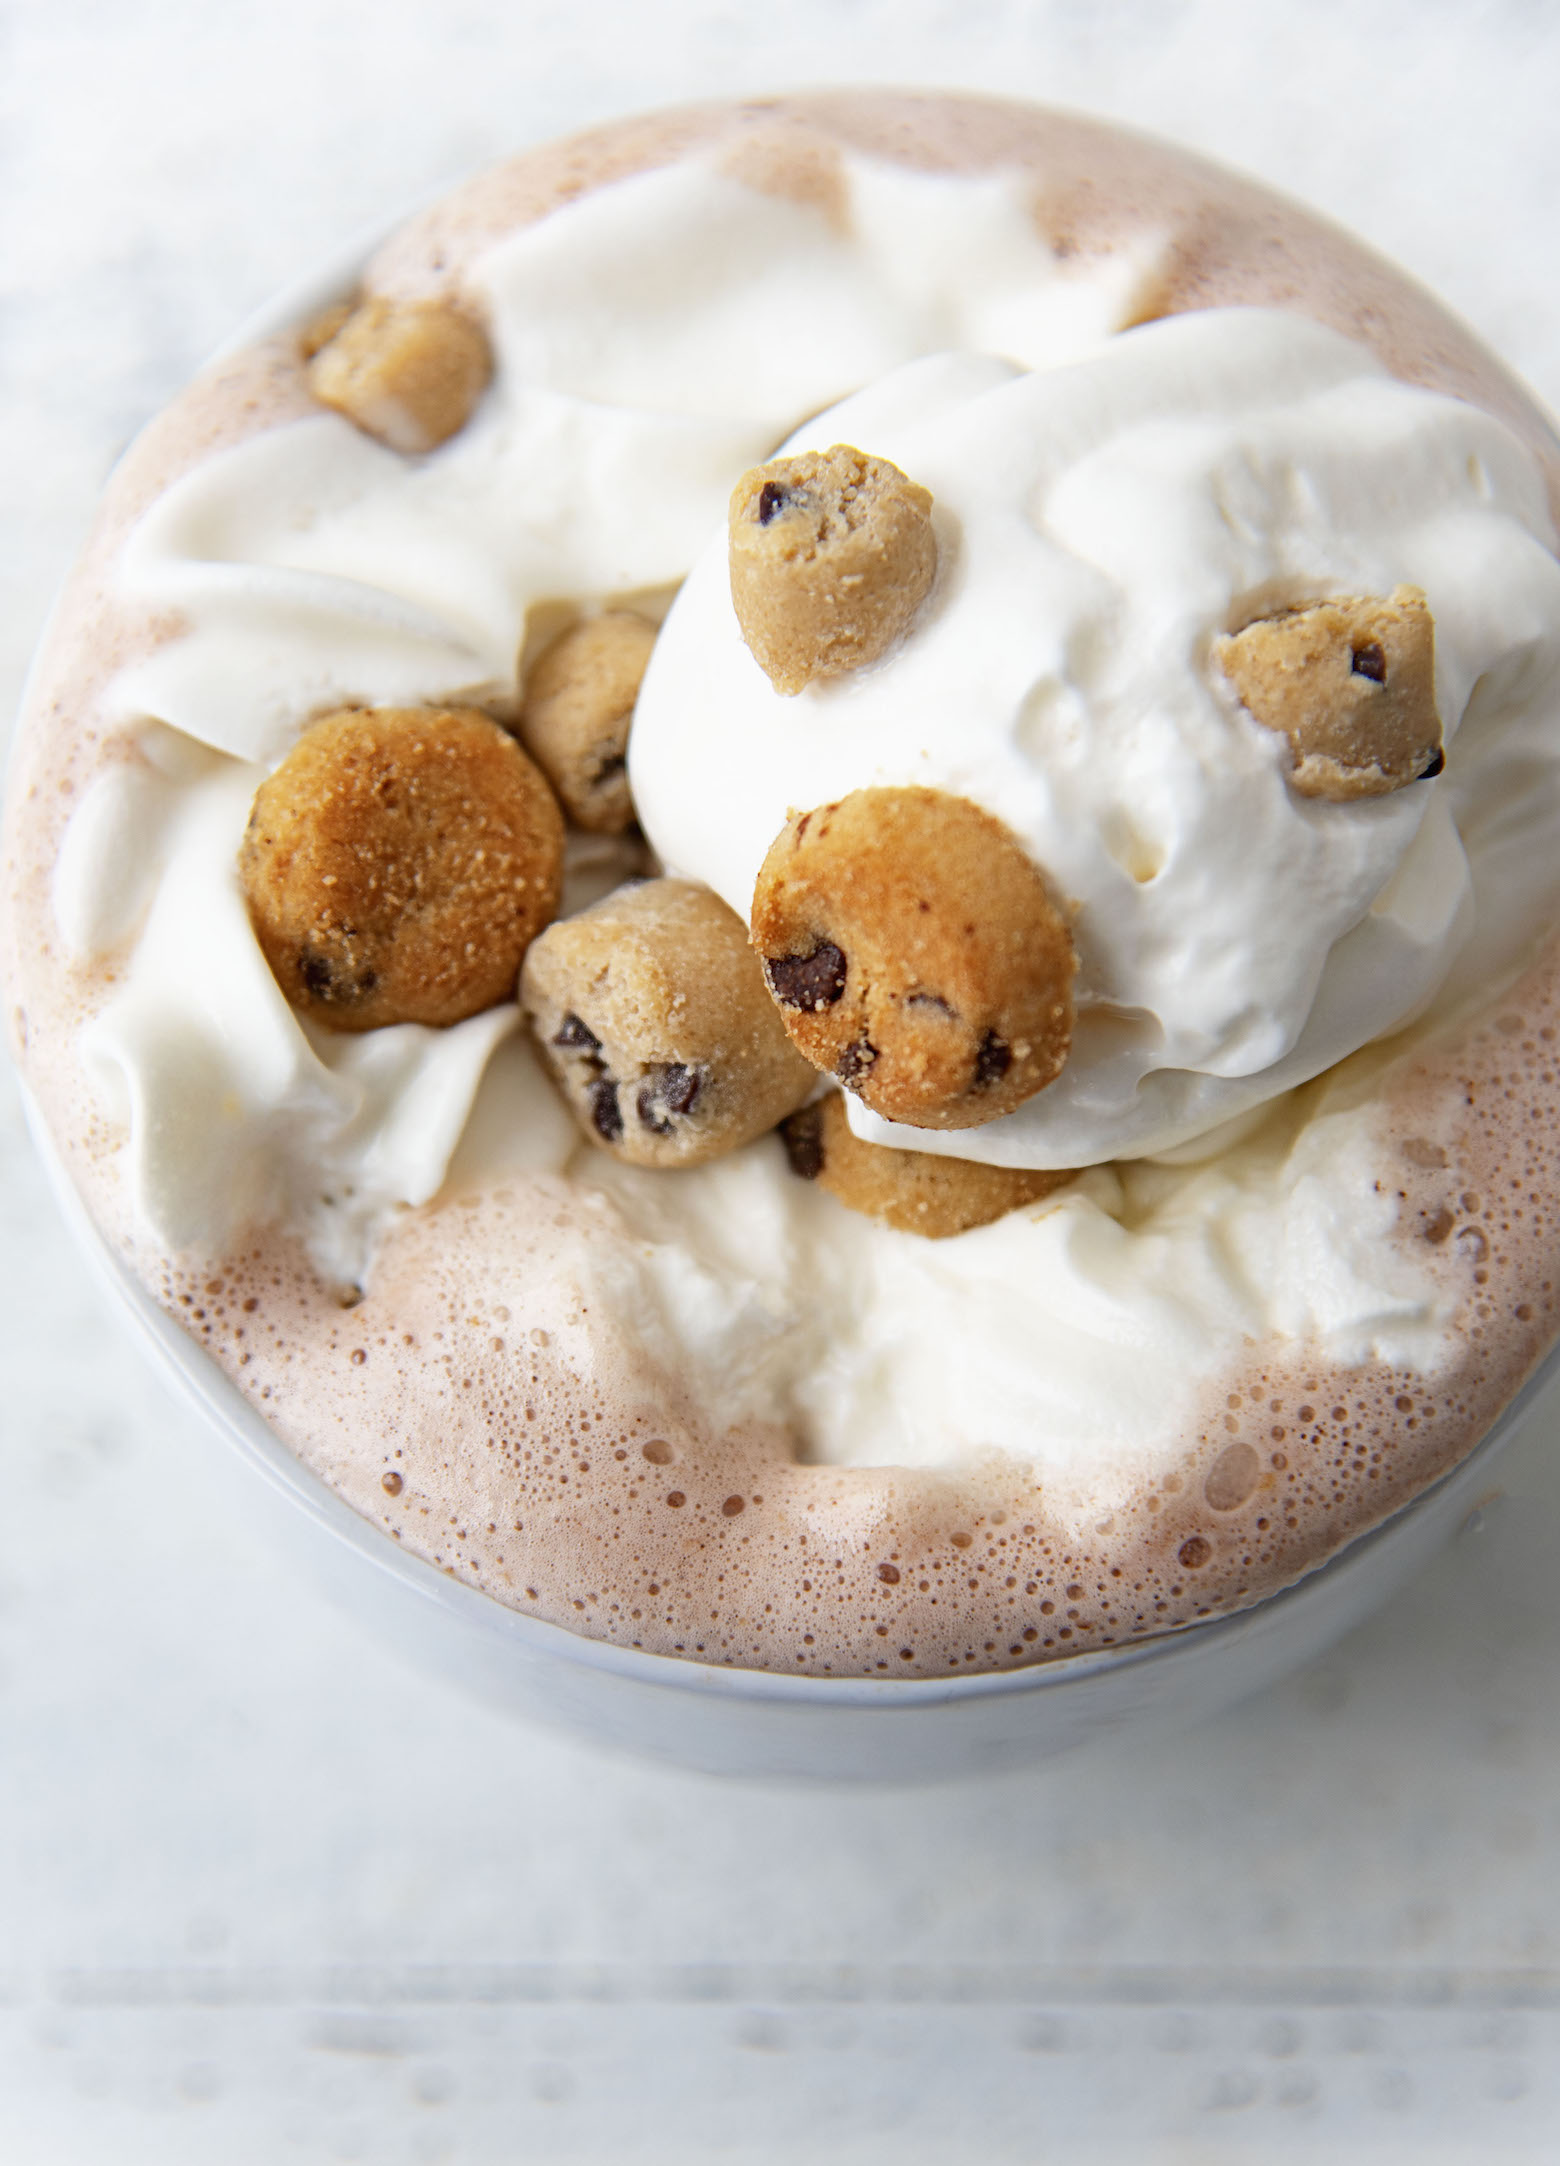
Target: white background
[{"x": 265, "y": 1893}]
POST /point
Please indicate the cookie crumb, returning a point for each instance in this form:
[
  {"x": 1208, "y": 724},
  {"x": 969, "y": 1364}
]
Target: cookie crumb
[
  {"x": 1351, "y": 684},
  {"x": 578, "y": 707},
  {"x": 914, "y": 953},
  {"x": 914, "y": 1191},
  {"x": 408, "y": 373},
  {"x": 321, "y": 329},
  {"x": 832, "y": 553},
  {"x": 650, "y": 1010}
]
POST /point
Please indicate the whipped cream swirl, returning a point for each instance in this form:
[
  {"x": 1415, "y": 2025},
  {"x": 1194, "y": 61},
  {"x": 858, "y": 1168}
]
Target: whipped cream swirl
[
  {"x": 1106, "y": 503},
  {"x": 1100, "y": 524}
]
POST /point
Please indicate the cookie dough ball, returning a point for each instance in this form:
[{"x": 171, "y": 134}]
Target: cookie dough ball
[
  {"x": 915, "y": 953},
  {"x": 651, "y": 1010},
  {"x": 407, "y": 372},
  {"x": 1351, "y": 684},
  {"x": 832, "y": 554},
  {"x": 915, "y": 1191},
  {"x": 579, "y": 702},
  {"x": 398, "y": 864}
]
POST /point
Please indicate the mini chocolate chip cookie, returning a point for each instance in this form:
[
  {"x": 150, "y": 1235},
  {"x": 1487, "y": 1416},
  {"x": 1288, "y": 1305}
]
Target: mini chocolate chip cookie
[
  {"x": 579, "y": 702},
  {"x": 407, "y": 372},
  {"x": 651, "y": 1011},
  {"x": 915, "y": 1191},
  {"x": 1351, "y": 684},
  {"x": 832, "y": 554},
  {"x": 397, "y": 865},
  {"x": 914, "y": 952}
]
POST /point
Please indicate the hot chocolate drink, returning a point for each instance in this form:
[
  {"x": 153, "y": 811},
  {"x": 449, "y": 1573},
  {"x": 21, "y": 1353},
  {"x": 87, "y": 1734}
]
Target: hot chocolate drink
[{"x": 799, "y": 886}]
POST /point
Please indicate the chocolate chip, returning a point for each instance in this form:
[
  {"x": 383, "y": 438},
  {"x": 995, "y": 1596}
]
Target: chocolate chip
[
  {"x": 683, "y": 1086},
  {"x": 1370, "y": 661},
  {"x": 573, "y": 1032},
  {"x": 807, "y": 981},
  {"x": 670, "y": 1088},
  {"x": 771, "y": 498},
  {"x": 802, "y": 1136},
  {"x": 322, "y": 978},
  {"x": 993, "y": 1059},
  {"x": 605, "y": 1112},
  {"x": 1437, "y": 763},
  {"x": 856, "y": 1059}
]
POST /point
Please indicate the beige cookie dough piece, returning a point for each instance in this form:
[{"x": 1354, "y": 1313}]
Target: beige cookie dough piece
[
  {"x": 915, "y": 953},
  {"x": 651, "y": 1011},
  {"x": 397, "y": 865},
  {"x": 579, "y": 703},
  {"x": 1351, "y": 684},
  {"x": 407, "y": 372},
  {"x": 915, "y": 1191},
  {"x": 832, "y": 554}
]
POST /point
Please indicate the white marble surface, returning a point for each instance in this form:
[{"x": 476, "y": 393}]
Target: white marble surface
[{"x": 264, "y": 1893}]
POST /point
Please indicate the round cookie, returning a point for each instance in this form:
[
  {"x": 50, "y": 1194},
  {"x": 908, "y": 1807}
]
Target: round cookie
[
  {"x": 832, "y": 554},
  {"x": 579, "y": 703},
  {"x": 408, "y": 373},
  {"x": 915, "y": 1191},
  {"x": 1351, "y": 683},
  {"x": 652, "y": 1014},
  {"x": 915, "y": 953},
  {"x": 398, "y": 864}
]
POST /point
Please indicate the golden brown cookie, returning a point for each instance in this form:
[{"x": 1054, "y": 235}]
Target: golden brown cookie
[
  {"x": 407, "y": 372},
  {"x": 832, "y": 554},
  {"x": 914, "y": 952},
  {"x": 651, "y": 1011},
  {"x": 398, "y": 864},
  {"x": 579, "y": 703},
  {"x": 915, "y": 1191},
  {"x": 1351, "y": 683},
  {"x": 321, "y": 329}
]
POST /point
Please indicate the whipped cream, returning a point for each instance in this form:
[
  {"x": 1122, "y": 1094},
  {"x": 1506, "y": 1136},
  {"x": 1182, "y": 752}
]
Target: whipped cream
[
  {"x": 235, "y": 1108},
  {"x": 1112, "y": 499},
  {"x": 1074, "y": 1335},
  {"x": 1100, "y": 524},
  {"x": 650, "y": 341}
]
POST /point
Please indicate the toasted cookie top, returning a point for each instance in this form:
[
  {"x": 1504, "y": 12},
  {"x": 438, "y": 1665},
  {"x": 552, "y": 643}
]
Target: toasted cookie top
[
  {"x": 915, "y": 953},
  {"x": 398, "y": 864}
]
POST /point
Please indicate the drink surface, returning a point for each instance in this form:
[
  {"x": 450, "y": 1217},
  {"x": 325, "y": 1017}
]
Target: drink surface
[{"x": 709, "y": 1412}]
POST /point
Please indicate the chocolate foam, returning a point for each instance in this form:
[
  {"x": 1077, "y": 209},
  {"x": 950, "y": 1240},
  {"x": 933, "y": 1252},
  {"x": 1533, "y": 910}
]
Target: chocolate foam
[{"x": 482, "y": 1405}]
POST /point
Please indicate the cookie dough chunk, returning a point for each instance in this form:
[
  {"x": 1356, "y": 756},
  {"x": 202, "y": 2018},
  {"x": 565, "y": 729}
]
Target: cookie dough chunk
[
  {"x": 915, "y": 1191},
  {"x": 407, "y": 372},
  {"x": 1351, "y": 684},
  {"x": 832, "y": 554},
  {"x": 398, "y": 864},
  {"x": 652, "y": 1013},
  {"x": 914, "y": 952},
  {"x": 579, "y": 702}
]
